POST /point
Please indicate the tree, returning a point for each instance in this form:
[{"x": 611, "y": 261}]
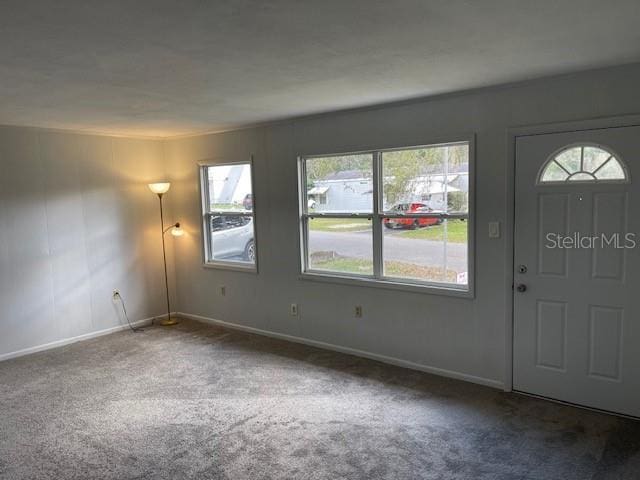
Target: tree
[
  {"x": 321, "y": 167},
  {"x": 405, "y": 170}
]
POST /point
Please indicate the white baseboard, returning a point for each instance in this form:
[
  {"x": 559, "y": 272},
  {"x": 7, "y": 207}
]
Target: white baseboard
[
  {"x": 79, "y": 338},
  {"x": 350, "y": 351}
]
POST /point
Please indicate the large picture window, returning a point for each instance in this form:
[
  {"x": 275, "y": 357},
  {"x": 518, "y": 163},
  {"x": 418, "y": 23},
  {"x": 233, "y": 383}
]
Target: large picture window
[
  {"x": 228, "y": 215},
  {"x": 396, "y": 216}
]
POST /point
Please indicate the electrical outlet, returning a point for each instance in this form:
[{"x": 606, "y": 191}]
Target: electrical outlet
[
  {"x": 223, "y": 290},
  {"x": 293, "y": 310},
  {"x": 358, "y": 311},
  {"x": 116, "y": 293}
]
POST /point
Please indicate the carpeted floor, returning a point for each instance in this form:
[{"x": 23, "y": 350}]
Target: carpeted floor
[{"x": 202, "y": 402}]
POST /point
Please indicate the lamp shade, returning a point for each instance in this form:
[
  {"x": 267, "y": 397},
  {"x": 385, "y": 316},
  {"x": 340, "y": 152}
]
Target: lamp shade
[
  {"x": 159, "y": 188},
  {"x": 177, "y": 231}
]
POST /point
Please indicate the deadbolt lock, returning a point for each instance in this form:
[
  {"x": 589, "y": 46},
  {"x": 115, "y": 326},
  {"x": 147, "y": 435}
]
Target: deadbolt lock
[{"x": 522, "y": 269}]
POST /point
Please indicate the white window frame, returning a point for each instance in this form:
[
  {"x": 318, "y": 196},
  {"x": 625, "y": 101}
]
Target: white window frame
[
  {"x": 206, "y": 215},
  {"x": 378, "y": 279}
]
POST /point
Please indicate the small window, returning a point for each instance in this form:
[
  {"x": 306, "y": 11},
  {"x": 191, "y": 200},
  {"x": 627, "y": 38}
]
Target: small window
[
  {"x": 228, "y": 215},
  {"x": 583, "y": 163},
  {"x": 393, "y": 216}
]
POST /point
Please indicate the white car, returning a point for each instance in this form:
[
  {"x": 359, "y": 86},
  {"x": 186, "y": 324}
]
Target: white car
[{"x": 232, "y": 238}]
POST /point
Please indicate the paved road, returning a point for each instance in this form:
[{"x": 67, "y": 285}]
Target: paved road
[{"x": 410, "y": 250}]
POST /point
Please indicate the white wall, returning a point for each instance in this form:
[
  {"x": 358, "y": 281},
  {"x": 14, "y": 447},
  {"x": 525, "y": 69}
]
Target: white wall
[
  {"x": 76, "y": 221},
  {"x": 466, "y": 336}
]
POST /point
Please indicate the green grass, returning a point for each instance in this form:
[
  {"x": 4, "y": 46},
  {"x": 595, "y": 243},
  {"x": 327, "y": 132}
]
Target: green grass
[
  {"x": 228, "y": 207},
  {"x": 339, "y": 224},
  {"x": 392, "y": 268},
  {"x": 456, "y": 229},
  {"x": 345, "y": 265},
  {"x": 456, "y": 232}
]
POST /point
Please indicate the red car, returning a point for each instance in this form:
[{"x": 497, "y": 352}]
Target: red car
[{"x": 406, "y": 209}]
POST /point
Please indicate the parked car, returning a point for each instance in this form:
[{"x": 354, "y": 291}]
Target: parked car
[
  {"x": 247, "y": 202},
  {"x": 412, "y": 223},
  {"x": 232, "y": 238}
]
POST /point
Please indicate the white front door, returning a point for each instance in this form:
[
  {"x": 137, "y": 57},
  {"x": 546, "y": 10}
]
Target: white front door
[{"x": 577, "y": 268}]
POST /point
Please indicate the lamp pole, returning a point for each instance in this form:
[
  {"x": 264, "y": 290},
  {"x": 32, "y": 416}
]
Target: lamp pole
[{"x": 169, "y": 321}]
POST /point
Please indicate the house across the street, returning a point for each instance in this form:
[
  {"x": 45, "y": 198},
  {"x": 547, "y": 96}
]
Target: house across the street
[{"x": 348, "y": 190}]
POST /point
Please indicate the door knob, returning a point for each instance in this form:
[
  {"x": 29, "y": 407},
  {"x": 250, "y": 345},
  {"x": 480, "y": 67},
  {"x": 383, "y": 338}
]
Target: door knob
[{"x": 521, "y": 287}]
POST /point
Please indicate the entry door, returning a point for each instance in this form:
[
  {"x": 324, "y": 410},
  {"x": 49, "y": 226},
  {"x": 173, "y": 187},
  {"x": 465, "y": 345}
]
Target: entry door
[{"x": 577, "y": 268}]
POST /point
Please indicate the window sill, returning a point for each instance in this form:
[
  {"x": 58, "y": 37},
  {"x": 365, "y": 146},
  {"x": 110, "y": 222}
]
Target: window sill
[
  {"x": 232, "y": 266},
  {"x": 430, "y": 289}
]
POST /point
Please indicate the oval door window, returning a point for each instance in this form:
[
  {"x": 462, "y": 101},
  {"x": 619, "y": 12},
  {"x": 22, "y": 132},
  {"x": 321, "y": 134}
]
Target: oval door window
[{"x": 583, "y": 163}]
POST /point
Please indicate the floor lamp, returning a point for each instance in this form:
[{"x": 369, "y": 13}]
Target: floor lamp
[{"x": 160, "y": 189}]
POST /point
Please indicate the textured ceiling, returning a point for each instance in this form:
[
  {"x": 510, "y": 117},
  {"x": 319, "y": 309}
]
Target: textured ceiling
[{"x": 160, "y": 68}]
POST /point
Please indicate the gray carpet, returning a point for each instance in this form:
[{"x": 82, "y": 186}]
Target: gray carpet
[{"x": 202, "y": 402}]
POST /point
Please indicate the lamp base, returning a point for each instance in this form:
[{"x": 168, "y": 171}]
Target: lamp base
[{"x": 168, "y": 322}]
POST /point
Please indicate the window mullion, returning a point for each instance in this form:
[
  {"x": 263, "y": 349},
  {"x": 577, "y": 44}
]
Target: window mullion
[
  {"x": 377, "y": 223},
  {"x": 222, "y": 213},
  {"x": 337, "y": 215}
]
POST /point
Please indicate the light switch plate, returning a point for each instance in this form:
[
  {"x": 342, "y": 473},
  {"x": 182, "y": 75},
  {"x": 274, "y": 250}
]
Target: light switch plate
[{"x": 494, "y": 229}]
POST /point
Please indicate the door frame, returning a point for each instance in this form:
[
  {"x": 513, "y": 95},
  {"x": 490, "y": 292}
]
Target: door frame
[{"x": 598, "y": 123}]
